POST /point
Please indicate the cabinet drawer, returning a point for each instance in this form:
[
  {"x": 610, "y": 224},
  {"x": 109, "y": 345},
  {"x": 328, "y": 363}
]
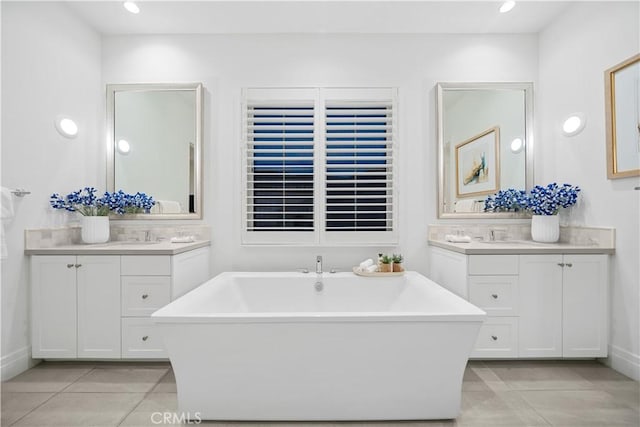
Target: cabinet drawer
[
  {"x": 498, "y": 338},
  {"x": 145, "y": 265},
  {"x": 497, "y": 295},
  {"x": 142, "y": 295},
  {"x": 493, "y": 264},
  {"x": 141, "y": 339}
]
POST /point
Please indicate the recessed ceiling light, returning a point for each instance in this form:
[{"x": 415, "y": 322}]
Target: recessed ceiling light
[
  {"x": 123, "y": 146},
  {"x": 507, "y": 6},
  {"x": 131, "y": 7},
  {"x": 517, "y": 145},
  {"x": 573, "y": 124},
  {"x": 66, "y": 127}
]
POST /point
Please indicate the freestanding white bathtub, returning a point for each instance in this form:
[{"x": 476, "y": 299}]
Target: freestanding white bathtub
[{"x": 280, "y": 346}]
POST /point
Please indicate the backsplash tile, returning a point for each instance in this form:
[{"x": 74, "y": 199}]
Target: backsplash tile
[
  {"x": 573, "y": 235},
  {"x": 70, "y": 235}
]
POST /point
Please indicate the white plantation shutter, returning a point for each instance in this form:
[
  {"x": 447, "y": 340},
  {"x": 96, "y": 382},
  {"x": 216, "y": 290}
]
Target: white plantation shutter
[
  {"x": 280, "y": 166},
  {"x": 319, "y": 166},
  {"x": 359, "y": 166}
]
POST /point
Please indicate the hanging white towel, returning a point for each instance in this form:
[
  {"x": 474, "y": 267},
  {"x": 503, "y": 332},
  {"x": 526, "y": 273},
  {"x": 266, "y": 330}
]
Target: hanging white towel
[
  {"x": 6, "y": 215},
  {"x": 168, "y": 206},
  {"x": 465, "y": 205}
]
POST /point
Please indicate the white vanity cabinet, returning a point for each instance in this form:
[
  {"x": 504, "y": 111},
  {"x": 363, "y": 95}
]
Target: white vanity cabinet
[
  {"x": 99, "y": 306},
  {"x": 564, "y": 303},
  {"x": 75, "y": 306},
  {"x": 538, "y": 305}
]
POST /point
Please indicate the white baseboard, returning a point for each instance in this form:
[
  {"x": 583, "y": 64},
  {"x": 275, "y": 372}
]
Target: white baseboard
[
  {"x": 624, "y": 362},
  {"x": 15, "y": 363}
]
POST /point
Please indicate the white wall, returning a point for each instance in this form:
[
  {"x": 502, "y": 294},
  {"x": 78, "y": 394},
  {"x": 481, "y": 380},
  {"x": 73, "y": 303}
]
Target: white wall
[
  {"x": 225, "y": 64},
  {"x": 50, "y": 65},
  {"x": 574, "y": 52}
]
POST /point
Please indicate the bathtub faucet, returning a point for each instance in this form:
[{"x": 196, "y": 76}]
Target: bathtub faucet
[{"x": 319, "y": 264}]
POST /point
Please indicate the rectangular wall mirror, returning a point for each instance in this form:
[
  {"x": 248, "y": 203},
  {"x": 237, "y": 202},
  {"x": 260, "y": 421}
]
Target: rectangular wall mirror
[
  {"x": 485, "y": 144},
  {"x": 154, "y": 146},
  {"x": 622, "y": 101}
]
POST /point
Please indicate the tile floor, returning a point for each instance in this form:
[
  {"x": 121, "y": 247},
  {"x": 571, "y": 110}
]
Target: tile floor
[{"x": 508, "y": 393}]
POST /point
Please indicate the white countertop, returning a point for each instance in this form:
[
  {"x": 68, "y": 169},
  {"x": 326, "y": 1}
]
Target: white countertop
[
  {"x": 121, "y": 248},
  {"x": 519, "y": 247}
]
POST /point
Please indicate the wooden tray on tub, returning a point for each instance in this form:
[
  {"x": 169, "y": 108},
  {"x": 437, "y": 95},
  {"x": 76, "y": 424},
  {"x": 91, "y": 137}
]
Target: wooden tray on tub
[{"x": 377, "y": 273}]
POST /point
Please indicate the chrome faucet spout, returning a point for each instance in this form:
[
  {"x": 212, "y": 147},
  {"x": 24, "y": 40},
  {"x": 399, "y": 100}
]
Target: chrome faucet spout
[{"x": 319, "y": 264}]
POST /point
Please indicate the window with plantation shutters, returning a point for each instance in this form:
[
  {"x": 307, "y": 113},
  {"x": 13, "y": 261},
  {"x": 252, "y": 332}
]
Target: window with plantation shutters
[
  {"x": 280, "y": 167},
  {"x": 359, "y": 166},
  {"x": 319, "y": 166}
]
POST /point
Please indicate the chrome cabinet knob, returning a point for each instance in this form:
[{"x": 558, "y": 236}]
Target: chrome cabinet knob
[
  {"x": 146, "y": 337},
  {"x": 145, "y": 296},
  {"x": 569, "y": 264},
  {"x": 78, "y": 265},
  {"x": 561, "y": 264},
  {"x": 70, "y": 265},
  {"x": 494, "y": 296},
  {"x": 493, "y": 337}
]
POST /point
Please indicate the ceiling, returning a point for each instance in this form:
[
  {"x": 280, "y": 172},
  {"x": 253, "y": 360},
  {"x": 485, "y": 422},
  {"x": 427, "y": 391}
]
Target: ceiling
[{"x": 309, "y": 16}]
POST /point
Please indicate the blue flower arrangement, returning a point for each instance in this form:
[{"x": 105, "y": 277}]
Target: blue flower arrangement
[
  {"x": 539, "y": 201},
  {"x": 548, "y": 200},
  {"x": 87, "y": 203},
  {"x": 509, "y": 200},
  {"x": 123, "y": 203}
]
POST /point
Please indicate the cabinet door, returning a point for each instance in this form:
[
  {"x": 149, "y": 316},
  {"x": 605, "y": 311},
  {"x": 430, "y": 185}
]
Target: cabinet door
[
  {"x": 585, "y": 302},
  {"x": 449, "y": 269},
  {"x": 53, "y": 306},
  {"x": 99, "y": 306},
  {"x": 190, "y": 269},
  {"x": 540, "y": 306}
]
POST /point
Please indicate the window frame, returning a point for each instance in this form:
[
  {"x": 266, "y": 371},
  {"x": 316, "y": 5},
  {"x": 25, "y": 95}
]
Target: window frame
[{"x": 320, "y": 97}]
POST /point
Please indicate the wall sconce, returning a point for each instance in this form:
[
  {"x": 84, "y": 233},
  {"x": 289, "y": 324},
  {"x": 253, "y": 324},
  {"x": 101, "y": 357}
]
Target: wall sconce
[
  {"x": 131, "y": 7},
  {"x": 516, "y": 145},
  {"x": 66, "y": 127},
  {"x": 573, "y": 124},
  {"x": 507, "y": 6},
  {"x": 123, "y": 146}
]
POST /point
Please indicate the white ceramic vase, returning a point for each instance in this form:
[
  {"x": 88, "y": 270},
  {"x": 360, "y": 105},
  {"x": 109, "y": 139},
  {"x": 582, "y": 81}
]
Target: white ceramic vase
[
  {"x": 95, "y": 229},
  {"x": 545, "y": 228}
]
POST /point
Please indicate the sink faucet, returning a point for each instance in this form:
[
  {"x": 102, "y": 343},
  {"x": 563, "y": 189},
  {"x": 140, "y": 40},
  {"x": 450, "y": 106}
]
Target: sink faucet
[
  {"x": 492, "y": 235},
  {"x": 319, "y": 264}
]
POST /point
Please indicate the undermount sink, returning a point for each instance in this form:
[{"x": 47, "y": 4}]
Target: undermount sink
[
  {"x": 133, "y": 242},
  {"x": 511, "y": 242}
]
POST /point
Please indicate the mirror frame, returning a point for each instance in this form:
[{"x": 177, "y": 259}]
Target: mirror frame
[
  {"x": 112, "y": 89},
  {"x": 610, "y": 120},
  {"x": 529, "y": 143}
]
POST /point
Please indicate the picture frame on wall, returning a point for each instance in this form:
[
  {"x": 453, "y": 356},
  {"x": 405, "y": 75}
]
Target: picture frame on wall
[
  {"x": 478, "y": 164},
  {"x": 622, "y": 109}
]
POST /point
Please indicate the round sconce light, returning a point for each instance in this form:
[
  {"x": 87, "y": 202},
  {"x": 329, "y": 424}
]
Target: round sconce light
[
  {"x": 131, "y": 7},
  {"x": 507, "y": 6},
  {"x": 573, "y": 124},
  {"x": 517, "y": 145},
  {"x": 123, "y": 147},
  {"x": 66, "y": 127}
]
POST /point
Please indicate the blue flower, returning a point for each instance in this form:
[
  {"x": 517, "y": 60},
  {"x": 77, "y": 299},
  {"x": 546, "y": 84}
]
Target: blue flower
[
  {"x": 540, "y": 200},
  {"x": 87, "y": 203},
  {"x": 505, "y": 201}
]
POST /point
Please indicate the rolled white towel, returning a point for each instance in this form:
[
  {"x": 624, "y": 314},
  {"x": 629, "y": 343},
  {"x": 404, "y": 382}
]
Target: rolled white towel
[
  {"x": 371, "y": 269},
  {"x": 457, "y": 239},
  {"x": 366, "y": 263},
  {"x": 183, "y": 239}
]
